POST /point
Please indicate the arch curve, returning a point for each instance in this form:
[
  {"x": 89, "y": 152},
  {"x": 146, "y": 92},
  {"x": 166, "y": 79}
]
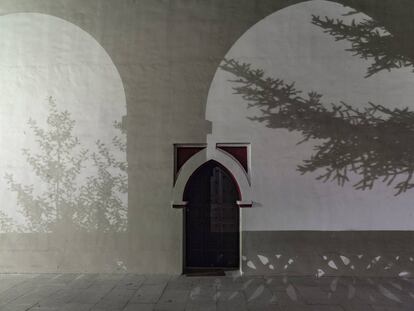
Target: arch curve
[
  {"x": 214, "y": 162},
  {"x": 200, "y": 159}
]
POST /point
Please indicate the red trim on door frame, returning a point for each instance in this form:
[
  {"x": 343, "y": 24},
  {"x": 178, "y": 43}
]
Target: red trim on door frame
[
  {"x": 240, "y": 153},
  {"x": 182, "y": 153}
]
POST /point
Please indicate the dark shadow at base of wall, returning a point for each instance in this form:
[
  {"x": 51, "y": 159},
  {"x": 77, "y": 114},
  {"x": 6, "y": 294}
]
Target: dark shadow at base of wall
[{"x": 328, "y": 253}]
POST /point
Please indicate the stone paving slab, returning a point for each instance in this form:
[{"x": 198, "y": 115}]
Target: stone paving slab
[{"x": 133, "y": 292}]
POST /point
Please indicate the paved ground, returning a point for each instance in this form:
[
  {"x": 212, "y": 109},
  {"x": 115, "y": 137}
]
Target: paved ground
[{"x": 128, "y": 292}]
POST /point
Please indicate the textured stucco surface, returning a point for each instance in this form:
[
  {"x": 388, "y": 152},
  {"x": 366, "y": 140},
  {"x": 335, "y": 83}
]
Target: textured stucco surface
[{"x": 166, "y": 53}]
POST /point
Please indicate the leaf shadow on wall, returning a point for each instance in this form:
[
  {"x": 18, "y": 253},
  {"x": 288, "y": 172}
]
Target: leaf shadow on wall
[
  {"x": 374, "y": 143},
  {"x": 370, "y": 41},
  {"x": 67, "y": 198}
]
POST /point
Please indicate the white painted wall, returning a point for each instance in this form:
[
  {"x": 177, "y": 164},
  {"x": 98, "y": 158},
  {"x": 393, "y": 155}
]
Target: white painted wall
[
  {"x": 286, "y": 45},
  {"x": 43, "y": 56}
]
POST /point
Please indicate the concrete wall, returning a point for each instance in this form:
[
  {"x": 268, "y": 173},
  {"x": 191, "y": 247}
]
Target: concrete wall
[{"x": 166, "y": 54}]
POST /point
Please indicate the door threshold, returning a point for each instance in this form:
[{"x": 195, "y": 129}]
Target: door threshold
[{"x": 206, "y": 271}]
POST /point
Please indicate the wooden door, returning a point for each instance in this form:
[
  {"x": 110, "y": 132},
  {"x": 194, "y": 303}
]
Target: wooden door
[{"x": 211, "y": 219}]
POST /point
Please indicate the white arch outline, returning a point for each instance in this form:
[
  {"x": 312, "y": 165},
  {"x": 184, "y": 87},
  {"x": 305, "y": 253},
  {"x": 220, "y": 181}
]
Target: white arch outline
[{"x": 199, "y": 159}]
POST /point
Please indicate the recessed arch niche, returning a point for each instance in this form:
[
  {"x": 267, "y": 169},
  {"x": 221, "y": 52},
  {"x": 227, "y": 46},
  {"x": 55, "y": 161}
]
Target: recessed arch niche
[
  {"x": 289, "y": 46},
  {"x": 60, "y": 87}
]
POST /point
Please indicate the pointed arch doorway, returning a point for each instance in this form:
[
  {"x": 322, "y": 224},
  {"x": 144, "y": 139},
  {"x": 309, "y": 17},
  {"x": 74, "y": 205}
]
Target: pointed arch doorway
[{"x": 211, "y": 220}]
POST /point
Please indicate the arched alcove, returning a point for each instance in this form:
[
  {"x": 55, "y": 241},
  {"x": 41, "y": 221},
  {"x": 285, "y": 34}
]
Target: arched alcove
[
  {"x": 63, "y": 137},
  {"x": 298, "y": 49}
]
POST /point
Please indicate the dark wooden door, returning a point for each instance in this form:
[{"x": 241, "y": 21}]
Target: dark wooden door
[{"x": 211, "y": 219}]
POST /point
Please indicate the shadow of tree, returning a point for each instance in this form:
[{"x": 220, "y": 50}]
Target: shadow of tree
[
  {"x": 58, "y": 163},
  {"x": 369, "y": 40},
  {"x": 375, "y": 143},
  {"x": 6, "y": 224},
  {"x": 102, "y": 207}
]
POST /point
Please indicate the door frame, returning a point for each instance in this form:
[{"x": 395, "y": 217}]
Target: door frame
[{"x": 190, "y": 166}]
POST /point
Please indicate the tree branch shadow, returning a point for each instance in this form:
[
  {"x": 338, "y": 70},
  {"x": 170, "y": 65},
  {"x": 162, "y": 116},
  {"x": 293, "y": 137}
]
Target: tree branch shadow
[
  {"x": 66, "y": 200},
  {"x": 374, "y": 143},
  {"x": 370, "y": 41}
]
